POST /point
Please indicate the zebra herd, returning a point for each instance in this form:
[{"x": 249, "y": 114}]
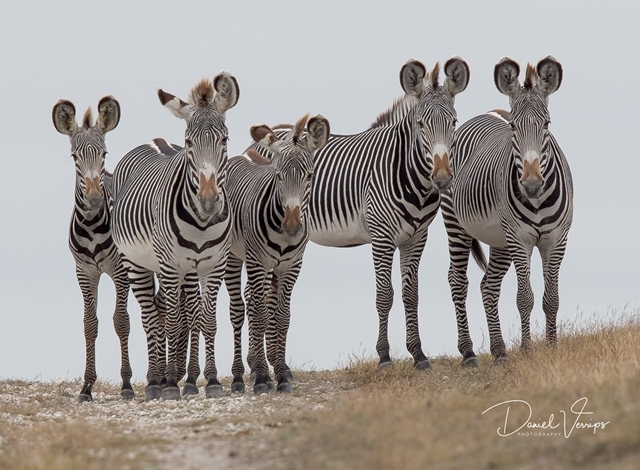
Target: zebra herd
[{"x": 187, "y": 218}]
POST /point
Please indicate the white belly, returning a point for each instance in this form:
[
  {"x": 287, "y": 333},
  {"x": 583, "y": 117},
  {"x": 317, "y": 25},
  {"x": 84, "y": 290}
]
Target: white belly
[
  {"x": 352, "y": 233},
  {"x": 141, "y": 255},
  {"x": 487, "y": 231}
]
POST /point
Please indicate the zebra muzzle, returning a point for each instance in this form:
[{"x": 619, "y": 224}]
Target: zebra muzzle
[
  {"x": 442, "y": 175},
  {"x": 532, "y": 181},
  {"x": 208, "y": 194},
  {"x": 93, "y": 192},
  {"x": 292, "y": 223}
]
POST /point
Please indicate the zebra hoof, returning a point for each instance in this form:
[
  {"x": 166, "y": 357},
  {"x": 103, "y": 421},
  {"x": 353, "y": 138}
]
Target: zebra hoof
[
  {"x": 84, "y": 397},
  {"x": 423, "y": 365},
  {"x": 502, "y": 359},
  {"x": 385, "y": 365},
  {"x": 471, "y": 361},
  {"x": 171, "y": 393},
  {"x": 284, "y": 387},
  {"x": 260, "y": 389},
  {"x": 237, "y": 388},
  {"x": 214, "y": 391},
  {"x": 127, "y": 394},
  {"x": 152, "y": 392},
  {"x": 271, "y": 385},
  {"x": 288, "y": 374},
  {"x": 190, "y": 389}
]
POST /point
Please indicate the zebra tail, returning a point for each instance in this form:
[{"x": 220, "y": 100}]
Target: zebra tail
[{"x": 478, "y": 255}]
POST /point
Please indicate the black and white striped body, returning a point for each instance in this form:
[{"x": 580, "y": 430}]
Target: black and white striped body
[
  {"x": 171, "y": 217},
  {"x": 90, "y": 238},
  {"x": 513, "y": 191},
  {"x": 269, "y": 205}
]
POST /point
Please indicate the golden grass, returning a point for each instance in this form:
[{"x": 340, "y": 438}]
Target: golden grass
[{"x": 406, "y": 419}]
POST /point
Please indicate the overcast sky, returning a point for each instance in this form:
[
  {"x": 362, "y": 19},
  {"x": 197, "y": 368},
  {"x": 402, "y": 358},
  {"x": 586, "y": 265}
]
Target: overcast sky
[{"x": 340, "y": 59}]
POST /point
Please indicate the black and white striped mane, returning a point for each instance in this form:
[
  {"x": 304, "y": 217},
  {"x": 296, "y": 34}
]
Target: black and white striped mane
[{"x": 396, "y": 112}]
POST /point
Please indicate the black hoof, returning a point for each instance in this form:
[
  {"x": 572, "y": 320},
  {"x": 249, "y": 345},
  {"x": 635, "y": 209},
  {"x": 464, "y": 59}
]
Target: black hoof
[
  {"x": 83, "y": 397},
  {"x": 423, "y": 365},
  {"x": 502, "y": 359},
  {"x": 127, "y": 394},
  {"x": 237, "y": 388},
  {"x": 385, "y": 365},
  {"x": 288, "y": 374},
  {"x": 171, "y": 393},
  {"x": 470, "y": 361},
  {"x": 284, "y": 387},
  {"x": 163, "y": 382},
  {"x": 152, "y": 392},
  {"x": 260, "y": 389},
  {"x": 214, "y": 391},
  {"x": 271, "y": 385},
  {"x": 190, "y": 389}
]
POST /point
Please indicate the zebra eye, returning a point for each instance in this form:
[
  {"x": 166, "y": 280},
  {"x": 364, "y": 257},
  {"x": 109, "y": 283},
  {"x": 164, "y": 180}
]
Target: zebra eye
[
  {"x": 188, "y": 142},
  {"x": 512, "y": 125},
  {"x": 546, "y": 124},
  {"x": 74, "y": 156},
  {"x": 309, "y": 175}
]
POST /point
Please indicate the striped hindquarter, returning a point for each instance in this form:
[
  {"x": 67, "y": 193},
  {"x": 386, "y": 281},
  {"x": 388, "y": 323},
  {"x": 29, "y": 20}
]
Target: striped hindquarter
[
  {"x": 269, "y": 206},
  {"x": 171, "y": 217},
  {"x": 90, "y": 238},
  {"x": 382, "y": 187},
  {"x": 513, "y": 191}
]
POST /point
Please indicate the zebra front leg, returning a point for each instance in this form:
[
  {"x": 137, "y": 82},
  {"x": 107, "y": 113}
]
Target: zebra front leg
[
  {"x": 409, "y": 263},
  {"x": 142, "y": 286},
  {"x": 191, "y": 307},
  {"x": 257, "y": 316},
  {"x": 210, "y": 283},
  {"x": 276, "y": 337},
  {"x": 551, "y": 261},
  {"x": 233, "y": 282},
  {"x": 383, "y": 251},
  {"x": 123, "y": 327},
  {"x": 161, "y": 306},
  {"x": 89, "y": 286},
  {"x": 499, "y": 263},
  {"x": 521, "y": 256},
  {"x": 175, "y": 329}
]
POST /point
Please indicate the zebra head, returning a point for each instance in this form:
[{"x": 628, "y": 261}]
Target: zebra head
[
  {"x": 293, "y": 165},
  {"x": 435, "y": 114},
  {"x": 529, "y": 118},
  {"x": 87, "y": 146},
  {"x": 206, "y": 137}
]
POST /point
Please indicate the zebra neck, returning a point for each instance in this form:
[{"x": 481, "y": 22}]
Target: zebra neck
[{"x": 88, "y": 217}]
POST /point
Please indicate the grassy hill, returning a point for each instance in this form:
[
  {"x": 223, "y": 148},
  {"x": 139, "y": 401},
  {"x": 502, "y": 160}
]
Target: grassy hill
[{"x": 581, "y": 401}]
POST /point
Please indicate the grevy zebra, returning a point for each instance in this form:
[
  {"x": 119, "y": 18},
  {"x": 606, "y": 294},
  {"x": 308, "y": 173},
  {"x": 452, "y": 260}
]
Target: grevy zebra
[
  {"x": 90, "y": 231},
  {"x": 512, "y": 190},
  {"x": 269, "y": 205},
  {"x": 382, "y": 187},
  {"x": 171, "y": 217}
]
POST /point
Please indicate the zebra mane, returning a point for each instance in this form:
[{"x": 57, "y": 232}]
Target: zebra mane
[
  {"x": 398, "y": 110},
  {"x": 87, "y": 120},
  {"x": 531, "y": 79},
  {"x": 202, "y": 94}
]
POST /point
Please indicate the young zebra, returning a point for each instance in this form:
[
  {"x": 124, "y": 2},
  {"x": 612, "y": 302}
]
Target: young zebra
[
  {"x": 171, "y": 217},
  {"x": 90, "y": 231},
  {"x": 513, "y": 190},
  {"x": 269, "y": 204}
]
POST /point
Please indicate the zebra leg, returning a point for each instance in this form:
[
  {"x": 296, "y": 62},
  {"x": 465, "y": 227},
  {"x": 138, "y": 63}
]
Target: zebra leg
[
  {"x": 276, "y": 336},
  {"x": 210, "y": 283},
  {"x": 459, "y": 248},
  {"x": 383, "y": 251},
  {"x": 499, "y": 263},
  {"x": 123, "y": 327},
  {"x": 521, "y": 256},
  {"x": 191, "y": 303},
  {"x": 551, "y": 260},
  {"x": 233, "y": 281},
  {"x": 175, "y": 329},
  {"x": 161, "y": 305},
  {"x": 142, "y": 286},
  {"x": 409, "y": 262},
  {"x": 89, "y": 286},
  {"x": 257, "y": 316}
]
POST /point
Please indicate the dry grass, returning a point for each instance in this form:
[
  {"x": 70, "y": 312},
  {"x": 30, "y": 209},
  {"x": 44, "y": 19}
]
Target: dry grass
[{"x": 355, "y": 417}]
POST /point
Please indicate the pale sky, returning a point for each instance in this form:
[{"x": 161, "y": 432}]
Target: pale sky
[{"x": 340, "y": 59}]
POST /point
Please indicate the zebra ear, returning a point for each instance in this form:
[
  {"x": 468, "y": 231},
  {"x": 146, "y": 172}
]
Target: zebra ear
[
  {"x": 178, "y": 107},
  {"x": 227, "y": 91},
  {"x": 505, "y": 76},
  {"x": 318, "y": 132},
  {"x": 411, "y": 77},
  {"x": 457, "y": 72},
  {"x": 550, "y": 74},
  {"x": 264, "y": 136},
  {"x": 108, "y": 114},
  {"x": 64, "y": 117}
]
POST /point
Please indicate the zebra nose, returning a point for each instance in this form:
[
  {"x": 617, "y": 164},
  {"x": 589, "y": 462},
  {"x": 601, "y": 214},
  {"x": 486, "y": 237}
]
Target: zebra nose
[
  {"x": 292, "y": 223},
  {"x": 93, "y": 192},
  {"x": 208, "y": 194},
  {"x": 532, "y": 181},
  {"x": 442, "y": 175}
]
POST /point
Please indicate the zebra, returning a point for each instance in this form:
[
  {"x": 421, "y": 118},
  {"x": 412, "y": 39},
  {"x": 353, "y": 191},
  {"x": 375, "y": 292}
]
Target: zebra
[
  {"x": 90, "y": 238},
  {"x": 382, "y": 186},
  {"x": 269, "y": 205},
  {"x": 171, "y": 217},
  {"x": 513, "y": 191}
]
